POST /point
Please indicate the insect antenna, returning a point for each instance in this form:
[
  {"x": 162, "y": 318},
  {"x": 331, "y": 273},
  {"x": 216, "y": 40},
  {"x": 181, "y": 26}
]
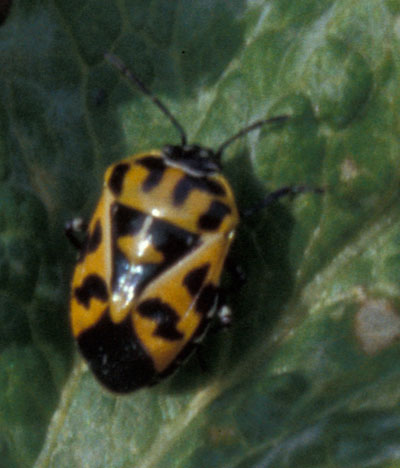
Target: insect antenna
[
  {"x": 253, "y": 126},
  {"x": 120, "y": 65}
]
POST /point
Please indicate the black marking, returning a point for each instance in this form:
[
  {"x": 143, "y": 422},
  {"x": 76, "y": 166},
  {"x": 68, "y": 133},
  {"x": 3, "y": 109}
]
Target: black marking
[
  {"x": 129, "y": 278},
  {"x": 126, "y": 221},
  {"x": 194, "y": 279},
  {"x": 164, "y": 316},
  {"x": 156, "y": 167},
  {"x": 173, "y": 242},
  {"x": 116, "y": 355},
  {"x": 201, "y": 330},
  {"x": 207, "y": 299},
  {"x": 213, "y": 217},
  {"x": 94, "y": 239},
  {"x": 116, "y": 180},
  {"x": 93, "y": 286},
  {"x": 188, "y": 349},
  {"x": 189, "y": 183}
]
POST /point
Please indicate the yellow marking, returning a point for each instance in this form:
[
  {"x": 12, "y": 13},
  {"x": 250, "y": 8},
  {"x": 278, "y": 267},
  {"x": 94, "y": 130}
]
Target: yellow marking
[
  {"x": 82, "y": 318},
  {"x": 139, "y": 251}
]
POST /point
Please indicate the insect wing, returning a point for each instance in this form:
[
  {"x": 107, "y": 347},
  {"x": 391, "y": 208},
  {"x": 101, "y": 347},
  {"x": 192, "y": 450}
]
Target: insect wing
[{"x": 176, "y": 307}]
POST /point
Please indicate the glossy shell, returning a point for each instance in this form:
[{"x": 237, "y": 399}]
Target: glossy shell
[{"x": 146, "y": 283}]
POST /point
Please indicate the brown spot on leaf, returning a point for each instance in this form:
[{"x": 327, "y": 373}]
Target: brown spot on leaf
[
  {"x": 223, "y": 435},
  {"x": 348, "y": 170},
  {"x": 377, "y": 325}
]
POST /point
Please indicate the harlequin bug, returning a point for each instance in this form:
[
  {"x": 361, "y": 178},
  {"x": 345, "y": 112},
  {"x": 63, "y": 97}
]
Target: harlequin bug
[{"x": 146, "y": 284}]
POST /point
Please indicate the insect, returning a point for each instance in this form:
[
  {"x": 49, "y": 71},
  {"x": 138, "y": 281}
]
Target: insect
[{"x": 147, "y": 281}]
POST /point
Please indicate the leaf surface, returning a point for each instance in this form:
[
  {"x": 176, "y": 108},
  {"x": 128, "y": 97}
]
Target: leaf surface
[{"x": 309, "y": 373}]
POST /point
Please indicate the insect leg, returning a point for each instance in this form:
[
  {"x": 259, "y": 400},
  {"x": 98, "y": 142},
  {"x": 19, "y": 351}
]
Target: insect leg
[
  {"x": 76, "y": 225},
  {"x": 273, "y": 197}
]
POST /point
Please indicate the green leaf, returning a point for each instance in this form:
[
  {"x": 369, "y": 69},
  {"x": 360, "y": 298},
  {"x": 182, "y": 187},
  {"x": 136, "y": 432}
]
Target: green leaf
[{"x": 309, "y": 374}]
